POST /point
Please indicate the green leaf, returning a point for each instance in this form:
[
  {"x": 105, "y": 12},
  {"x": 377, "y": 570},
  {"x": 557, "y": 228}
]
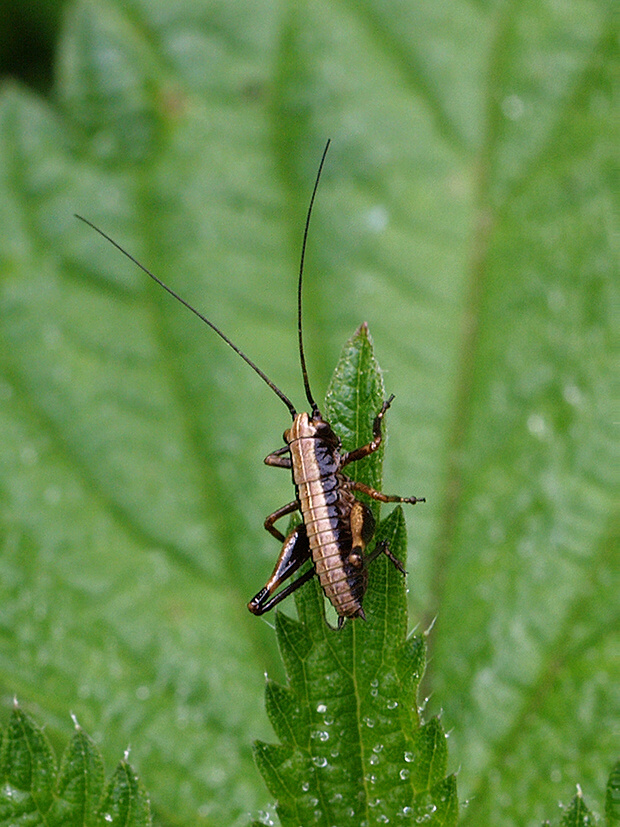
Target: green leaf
[
  {"x": 125, "y": 801},
  {"x": 353, "y": 748},
  {"x": 28, "y": 768},
  {"x": 467, "y": 212},
  {"x": 33, "y": 792},
  {"x": 354, "y": 397},
  {"x": 577, "y": 813},
  {"x": 612, "y": 797}
]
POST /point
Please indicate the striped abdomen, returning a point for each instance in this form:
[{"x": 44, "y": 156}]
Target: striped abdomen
[{"x": 338, "y": 526}]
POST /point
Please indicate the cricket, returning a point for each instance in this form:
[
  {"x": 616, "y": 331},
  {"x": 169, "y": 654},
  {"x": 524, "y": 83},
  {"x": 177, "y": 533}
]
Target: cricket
[{"x": 336, "y": 528}]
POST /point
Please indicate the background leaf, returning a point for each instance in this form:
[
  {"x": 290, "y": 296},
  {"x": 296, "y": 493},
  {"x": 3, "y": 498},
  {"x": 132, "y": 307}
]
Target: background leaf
[
  {"x": 34, "y": 792},
  {"x": 466, "y": 212}
]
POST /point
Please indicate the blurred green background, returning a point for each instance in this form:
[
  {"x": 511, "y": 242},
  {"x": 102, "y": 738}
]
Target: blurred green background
[{"x": 467, "y": 212}]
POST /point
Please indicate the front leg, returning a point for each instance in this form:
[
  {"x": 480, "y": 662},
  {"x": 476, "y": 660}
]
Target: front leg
[
  {"x": 277, "y": 459},
  {"x": 289, "y": 508},
  {"x": 377, "y": 438},
  {"x": 384, "y": 548},
  {"x": 295, "y": 552},
  {"x": 384, "y": 498}
]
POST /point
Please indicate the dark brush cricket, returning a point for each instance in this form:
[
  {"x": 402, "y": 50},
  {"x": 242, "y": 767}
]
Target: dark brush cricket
[{"x": 336, "y": 527}]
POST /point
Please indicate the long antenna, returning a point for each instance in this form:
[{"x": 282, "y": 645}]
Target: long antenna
[
  {"x": 223, "y": 336},
  {"x": 302, "y": 357}
]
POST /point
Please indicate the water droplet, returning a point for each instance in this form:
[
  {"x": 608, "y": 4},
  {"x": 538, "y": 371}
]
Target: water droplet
[
  {"x": 377, "y": 748},
  {"x": 404, "y": 773},
  {"x": 409, "y": 757},
  {"x": 369, "y": 721},
  {"x": 29, "y": 455},
  {"x": 319, "y": 760},
  {"x": 572, "y": 394},
  {"x": 513, "y": 107},
  {"x": 383, "y": 819},
  {"x": 377, "y": 218},
  {"x": 305, "y": 786},
  {"x": 321, "y": 709},
  {"x": 374, "y": 759},
  {"x": 536, "y": 425},
  {"x": 392, "y": 704}
]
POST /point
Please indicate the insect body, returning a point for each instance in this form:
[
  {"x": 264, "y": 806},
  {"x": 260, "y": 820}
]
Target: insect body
[{"x": 336, "y": 527}]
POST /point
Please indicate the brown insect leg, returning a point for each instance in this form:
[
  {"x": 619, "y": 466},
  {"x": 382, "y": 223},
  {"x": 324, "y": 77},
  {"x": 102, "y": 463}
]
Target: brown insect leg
[
  {"x": 361, "y": 615},
  {"x": 276, "y": 458},
  {"x": 385, "y": 498},
  {"x": 383, "y": 548},
  {"x": 289, "y": 508},
  {"x": 292, "y": 587},
  {"x": 377, "y": 437},
  {"x": 370, "y": 448},
  {"x": 294, "y": 554}
]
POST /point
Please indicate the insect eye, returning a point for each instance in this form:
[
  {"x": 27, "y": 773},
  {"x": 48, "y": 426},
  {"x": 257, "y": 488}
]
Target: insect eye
[{"x": 323, "y": 429}]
